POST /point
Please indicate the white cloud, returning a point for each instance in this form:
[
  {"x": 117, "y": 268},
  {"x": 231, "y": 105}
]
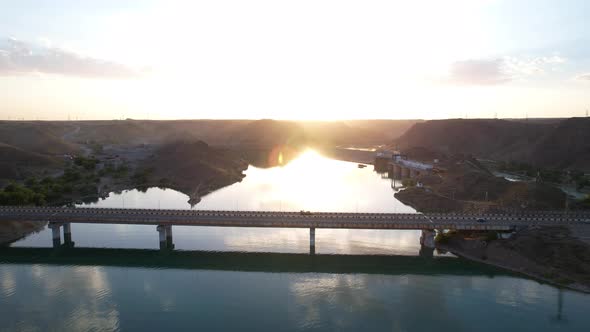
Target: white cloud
[
  {"x": 499, "y": 70},
  {"x": 21, "y": 58},
  {"x": 529, "y": 66},
  {"x": 478, "y": 72},
  {"x": 583, "y": 77}
]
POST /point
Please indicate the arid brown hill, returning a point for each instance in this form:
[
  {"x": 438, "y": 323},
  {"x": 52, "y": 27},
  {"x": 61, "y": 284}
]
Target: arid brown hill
[
  {"x": 16, "y": 163},
  {"x": 268, "y": 133},
  {"x": 567, "y": 146},
  {"x": 480, "y": 137},
  {"x": 564, "y": 144},
  {"x": 29, "y": 147},
  {"x": 194, "y": 168},
  {"x": 39, "y": 137},
  {"x": 56, "y": 137}
]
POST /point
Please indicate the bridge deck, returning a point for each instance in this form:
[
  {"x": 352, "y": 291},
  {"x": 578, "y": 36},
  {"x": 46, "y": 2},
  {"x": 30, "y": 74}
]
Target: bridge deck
[{"x": 291, "y": 219}]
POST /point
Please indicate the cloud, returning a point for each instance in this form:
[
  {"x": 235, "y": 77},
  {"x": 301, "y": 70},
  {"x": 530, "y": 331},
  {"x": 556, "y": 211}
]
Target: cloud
[
  {"x": 478, "y": 72},
  {"x": 21, "y": 58},
  {"x": 500, "y": 70},
  {"x": 583, "y": 77}
]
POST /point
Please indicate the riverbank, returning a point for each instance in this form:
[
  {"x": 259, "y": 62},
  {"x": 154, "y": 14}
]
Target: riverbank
[
  {"x": 557, "y": 255},
  {"x": 554, "y": 255}
]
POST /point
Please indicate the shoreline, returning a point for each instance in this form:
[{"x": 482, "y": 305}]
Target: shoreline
[
  {"x": 465, "y": 255},
  {"x": 551, "y": 255}
]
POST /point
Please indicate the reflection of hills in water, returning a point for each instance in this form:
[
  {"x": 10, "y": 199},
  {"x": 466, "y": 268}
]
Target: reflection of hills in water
[
  {"x": 243, "y": 261},
  {"x": 265, "y": 157}
]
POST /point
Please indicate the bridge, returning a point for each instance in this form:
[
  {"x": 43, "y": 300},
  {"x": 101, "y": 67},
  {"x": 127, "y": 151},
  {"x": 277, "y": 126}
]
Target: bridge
[{"x": 165, "y": 219}]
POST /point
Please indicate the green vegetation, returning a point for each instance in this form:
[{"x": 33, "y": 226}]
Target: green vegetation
[
  {"x": 87, "y": 163},
  {"x": 78, "y": 180},
  {"x": 96, "y": 147},
  {"x": 546, "y": 174},
  {"x": 491, "y": 236},
  {"x": 408, "y": 182},
  {"x": 141, "y": 177},
  {"x": 444, "y": 237},
  {"x": 584, "y": 204},
  {"x": 16, "y": 194},
  {"x": 118, "y": 172},
  {"x": 582, "y": 182}
]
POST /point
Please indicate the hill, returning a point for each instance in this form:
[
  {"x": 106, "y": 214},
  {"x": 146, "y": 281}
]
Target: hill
[
  {"x": 37, "y": 136},
  {"x": 553, "y": 144},
  {"x": 194, "y": 168},
  {"x": 268, "y": 133},
  {"x": 566, "y": 146},
  {"x": 16, "y": 163}
]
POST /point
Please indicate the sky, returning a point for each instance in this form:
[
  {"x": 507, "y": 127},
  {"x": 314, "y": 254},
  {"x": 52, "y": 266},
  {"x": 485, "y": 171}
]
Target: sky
[{"x": 305, "y": 59}]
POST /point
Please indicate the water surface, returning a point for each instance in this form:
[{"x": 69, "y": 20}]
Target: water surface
[{"x": 224, "y": 279}]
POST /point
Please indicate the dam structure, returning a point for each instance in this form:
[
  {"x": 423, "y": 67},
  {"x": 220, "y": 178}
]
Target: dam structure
[
  {"x": 399, "y": 166},
  {"x": 61, "y": 218}
]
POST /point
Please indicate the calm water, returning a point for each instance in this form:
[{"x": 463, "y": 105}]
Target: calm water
[{"x": 261, "y": 279}]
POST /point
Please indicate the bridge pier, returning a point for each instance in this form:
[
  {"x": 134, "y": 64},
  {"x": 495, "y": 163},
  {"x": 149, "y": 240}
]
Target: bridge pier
[
  {"x": 169, "y": 242},
  {"x": 68, "y": 234},
  {"x": 427, "y": 238},
  {"x": 312, "y": 241},
  {"x": 426, "y": 252},
  {"x": 162, "y": 234},
  {"x": 165, "y": 236},
  {"x": 55, "y": 234}
]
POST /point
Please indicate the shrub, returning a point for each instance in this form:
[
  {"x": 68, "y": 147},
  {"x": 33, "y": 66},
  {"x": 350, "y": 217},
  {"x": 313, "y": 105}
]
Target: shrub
[
  {"x": 444, "y": 237},
  {"x": 491, "y": 236},
  {"x": 86, "y": 163},
  {"x": 15, "y": 194},
  {"x": 408, "y": 182}
]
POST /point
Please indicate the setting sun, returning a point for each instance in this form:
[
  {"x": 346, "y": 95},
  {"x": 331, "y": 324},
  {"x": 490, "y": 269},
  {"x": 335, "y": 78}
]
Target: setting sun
[{"x": 319, "y": 60}]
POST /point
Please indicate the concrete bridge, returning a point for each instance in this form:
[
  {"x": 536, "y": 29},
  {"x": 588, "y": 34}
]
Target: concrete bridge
[{"x": 164, "y": 220}]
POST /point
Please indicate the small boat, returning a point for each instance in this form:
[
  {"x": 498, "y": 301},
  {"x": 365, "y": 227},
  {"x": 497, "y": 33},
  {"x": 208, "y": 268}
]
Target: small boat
[{"x": 362, "y": 165}]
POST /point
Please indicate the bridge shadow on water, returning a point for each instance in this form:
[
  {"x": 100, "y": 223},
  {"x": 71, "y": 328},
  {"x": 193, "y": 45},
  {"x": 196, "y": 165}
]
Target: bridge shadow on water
[{"x": 249, "y": 261}]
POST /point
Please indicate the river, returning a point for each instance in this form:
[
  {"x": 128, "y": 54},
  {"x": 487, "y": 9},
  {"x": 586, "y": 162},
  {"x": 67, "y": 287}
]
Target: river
[{"x": 263, "y": 279}]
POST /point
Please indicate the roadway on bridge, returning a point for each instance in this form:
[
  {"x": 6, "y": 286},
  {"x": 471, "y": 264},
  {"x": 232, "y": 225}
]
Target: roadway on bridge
[{"x": 292, "y": 219}]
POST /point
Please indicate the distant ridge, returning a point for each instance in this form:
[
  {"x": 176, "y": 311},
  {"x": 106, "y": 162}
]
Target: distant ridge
[{"x": 563, "y": 143}]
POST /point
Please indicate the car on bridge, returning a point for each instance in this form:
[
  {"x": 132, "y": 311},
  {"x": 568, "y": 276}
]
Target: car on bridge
[
  {"x": 305, "y": 213},
  {"x": 481, "y": 220}
]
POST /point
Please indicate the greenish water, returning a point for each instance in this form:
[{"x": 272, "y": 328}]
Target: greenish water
[{"x": 263, "y": 279}]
